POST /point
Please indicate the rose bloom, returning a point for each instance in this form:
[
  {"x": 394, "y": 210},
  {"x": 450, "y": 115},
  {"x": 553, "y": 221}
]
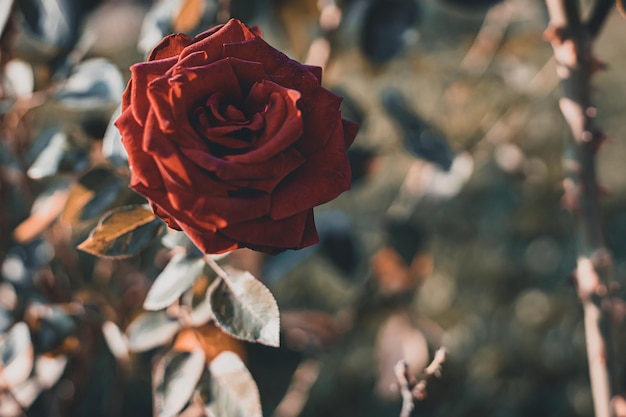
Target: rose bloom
[{"x": 232, "y": 141}]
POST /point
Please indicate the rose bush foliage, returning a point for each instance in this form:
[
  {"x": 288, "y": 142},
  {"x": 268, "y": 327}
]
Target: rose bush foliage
[{"x": 232, "y": 141}]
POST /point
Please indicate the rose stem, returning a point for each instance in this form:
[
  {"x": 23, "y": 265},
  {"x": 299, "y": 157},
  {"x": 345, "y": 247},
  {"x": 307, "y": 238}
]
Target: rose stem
[{"x": 571, "y": 41}]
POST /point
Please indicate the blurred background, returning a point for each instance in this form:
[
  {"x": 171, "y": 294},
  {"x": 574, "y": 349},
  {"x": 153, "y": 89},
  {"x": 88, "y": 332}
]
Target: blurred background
[{"x": 454, "y": 233}]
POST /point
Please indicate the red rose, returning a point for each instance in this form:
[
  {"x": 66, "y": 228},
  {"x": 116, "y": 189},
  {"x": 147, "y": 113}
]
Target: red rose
[{"x": 233, "y": 142}]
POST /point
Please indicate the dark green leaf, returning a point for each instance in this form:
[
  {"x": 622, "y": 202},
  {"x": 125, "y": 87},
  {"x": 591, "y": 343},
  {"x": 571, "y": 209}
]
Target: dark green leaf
[
  {"x": 95, "y": 192},
  {"x": 94, "y": 84}
]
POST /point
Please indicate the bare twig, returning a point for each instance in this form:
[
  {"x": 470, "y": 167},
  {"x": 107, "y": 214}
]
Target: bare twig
[
  {"x": 298, "y": 392},
  {"x": 571, "y": 40},
  {"x": 601, "y": 9},
  {"x": 223, "y": 13},
  {"x": 414, "y": 388},
  {"x": 219, "y": 271},
  {"x": 488, "y": 39},
  {"x": 320, "y": 47}
]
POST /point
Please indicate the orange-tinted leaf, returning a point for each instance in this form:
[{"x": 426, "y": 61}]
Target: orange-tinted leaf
[{"x": 123, "y": 232}]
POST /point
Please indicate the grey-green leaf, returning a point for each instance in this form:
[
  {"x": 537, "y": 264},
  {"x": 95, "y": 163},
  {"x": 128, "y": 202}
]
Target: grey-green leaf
[
  {"x": 232, "y": 391},
  {"x": 246, "y": 309},
  {"x": 176, "y": 278},
  {"x": 95, "y": 84},
  {"x": 112, "y": 147},
  {"x": 17, "y": 355},
  {"x": 175, "y": 378},
  {"x": 149, "y": 330},
  {"x": 49, "y": 159}
]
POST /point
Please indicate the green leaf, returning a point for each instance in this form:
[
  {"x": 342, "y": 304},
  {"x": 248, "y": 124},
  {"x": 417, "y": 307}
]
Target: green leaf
[
  {"x": 16, "y": 354},
  {"x": 231, "y": 391},
  {"x": 176, "y": 278},
  {"x": 123, "y": 232},
  {"x": 175, "y": 378},
  {"x": 246, "y": 309},
  {"x": 149, "y": 330}
]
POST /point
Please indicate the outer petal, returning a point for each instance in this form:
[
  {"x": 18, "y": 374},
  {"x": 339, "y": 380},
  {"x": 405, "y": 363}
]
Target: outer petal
[
  {"x": 142, "y": 75},
  {"x": 211, "y": 42},
  {"x": 263, "y": 176},
  {"x": 174, "y": 166},
  {"x": 170, "y": 46},
  {"x": 319, "y": 121},
  {"x": 323, "y": 176},
  {"x": 350, "y": 130},
  {"x": 210, "y": 242},
  {"x": 142, "y": 167},
  {"x": 286, "y": 233},
  {"x": 203, "y": 211}
]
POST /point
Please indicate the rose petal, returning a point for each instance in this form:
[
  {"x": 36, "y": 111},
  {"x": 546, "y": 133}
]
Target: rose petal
[
  {"x": 350, "y": 130},
  {"x": 248, "y": 72},
  {"x": 316, "y": 71},
  {"x": 175, "y": 97},
  {"x": 142, "y": 167},
  {"x": 285, "y": 233},
  {"x": 210, "y": 242},
  {"x": 171, "y": 222},
  {"x": 211, "y": 43},
  {"x": 126, "y": 95},
  {"x": 309, "y": 236},
  {"x": 283, "y": 122},
  {"x": 142, "y": 75},
  {"x": 323, "y": 176},
  {"x": 174, "y": 167},
  {"x": 170, "y": 46},
  {"x": 263, "y": 176},
  {"x": 319, "y": 121},
  {"x": 280, "y": 68},
  {"x": 202, "y": 211}
]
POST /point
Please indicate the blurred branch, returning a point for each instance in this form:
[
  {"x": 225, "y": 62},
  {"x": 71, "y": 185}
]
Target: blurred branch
[
  {"x": 223, "y": 13},
  {"x": 298, "y": 392},
  {"x": 571, "y": 40},
  {"x": 488, "y": 39},
  {"x": 413, "y": 389},
  {"x": 320, "y": 47},
  {"x": 601, "y": 9}
]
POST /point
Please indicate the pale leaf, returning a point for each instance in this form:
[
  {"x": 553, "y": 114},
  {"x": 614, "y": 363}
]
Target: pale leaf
[
  {"x": 231, "y": 392},
  {"x": 175, "y": 378},
  {"x": 175, "y": 279},
  {"x": 149, "y": 330},
  {"x": 246, "y": 309}
]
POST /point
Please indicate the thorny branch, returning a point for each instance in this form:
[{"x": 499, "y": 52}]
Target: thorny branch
[
  {"x": 571, "y": 40},
  {"x": 414, "y": 388}
]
